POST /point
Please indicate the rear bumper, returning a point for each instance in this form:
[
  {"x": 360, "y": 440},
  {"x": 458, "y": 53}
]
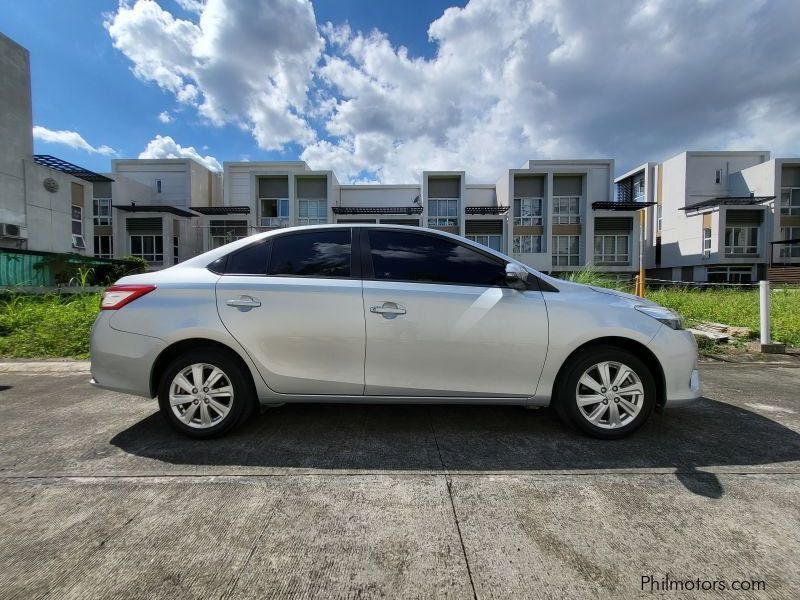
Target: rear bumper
[
  {"x": 677, "y": 353},
  {"x": 122, "y": 361}
]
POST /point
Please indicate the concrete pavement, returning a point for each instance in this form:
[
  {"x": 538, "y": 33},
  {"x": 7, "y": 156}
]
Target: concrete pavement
[{"x": 101, "y": 499}]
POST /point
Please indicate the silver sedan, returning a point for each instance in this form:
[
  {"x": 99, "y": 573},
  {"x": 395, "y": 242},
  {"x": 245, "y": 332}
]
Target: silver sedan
[{"x": 382, "y": 313}]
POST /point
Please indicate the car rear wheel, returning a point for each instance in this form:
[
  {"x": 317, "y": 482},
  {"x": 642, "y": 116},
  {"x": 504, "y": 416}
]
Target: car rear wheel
[
  {"x": 204, "y": 393},
  {"x": 606, "y": 392}
]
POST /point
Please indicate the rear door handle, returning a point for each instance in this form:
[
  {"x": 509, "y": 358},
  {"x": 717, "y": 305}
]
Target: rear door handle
[
  {"x": 244, "y": 302},
  {"x": 389, "y": 310}
]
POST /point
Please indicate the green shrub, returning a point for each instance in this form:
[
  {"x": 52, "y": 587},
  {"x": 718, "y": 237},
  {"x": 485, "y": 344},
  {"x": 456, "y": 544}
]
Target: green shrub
[{"x": 51, "y": 326}]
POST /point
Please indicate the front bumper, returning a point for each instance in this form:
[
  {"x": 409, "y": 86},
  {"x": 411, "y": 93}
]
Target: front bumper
[
  {"x": 677, "y": 353},
  {"x": 122, "y": 361}
]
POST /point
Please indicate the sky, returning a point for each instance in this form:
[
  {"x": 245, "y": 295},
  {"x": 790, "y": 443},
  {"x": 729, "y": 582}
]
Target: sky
[{"x": 380, "y": 90}]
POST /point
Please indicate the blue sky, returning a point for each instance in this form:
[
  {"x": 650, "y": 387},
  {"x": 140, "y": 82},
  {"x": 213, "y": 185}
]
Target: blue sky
[{"x": 382, "y": 90}]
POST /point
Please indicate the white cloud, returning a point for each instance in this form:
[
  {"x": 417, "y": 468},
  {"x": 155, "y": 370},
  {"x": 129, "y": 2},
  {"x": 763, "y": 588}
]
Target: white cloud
[
  {"x": 510, "y": 80},
  {"x": 70, "y": 138},
  {"x": 244, "y": 63},
  {"x": 165, "y": 147},
  {"x": 165, "y": 117}
]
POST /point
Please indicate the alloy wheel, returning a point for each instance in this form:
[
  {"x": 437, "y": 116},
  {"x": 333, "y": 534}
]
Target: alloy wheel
[
  {"x": 201, "y": 395},
  {"x": 609, "y": 395}
]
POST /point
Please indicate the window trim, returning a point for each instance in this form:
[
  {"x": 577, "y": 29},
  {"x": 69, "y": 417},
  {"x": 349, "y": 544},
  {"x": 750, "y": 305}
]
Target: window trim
[
  {"x": 528, "y": 235},
  {"x": 283, "y": 221},
  {"x": 154, "y": 261},
  {"x": 96, "y": 239},
  {"x": 99, "y": 219},
  {"x": 707, "y": 251},
  {"x": 555, "y": 254},
  {"x": 599, "y": 259},
  {"x": 520, "y": 221},
  {"x": 729, "y": 250},
  {"x": 368, "y": 270}
]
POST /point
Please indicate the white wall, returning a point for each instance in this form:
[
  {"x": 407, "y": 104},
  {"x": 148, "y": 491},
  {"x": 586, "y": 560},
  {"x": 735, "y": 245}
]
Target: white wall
[
  {"x": 16, "y": 138},
  {"x": 50, "y": 214},
  {"x": 369, "y": 195}
]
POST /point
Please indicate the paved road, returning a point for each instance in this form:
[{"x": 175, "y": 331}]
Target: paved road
[{"x": 100, "y": 499}]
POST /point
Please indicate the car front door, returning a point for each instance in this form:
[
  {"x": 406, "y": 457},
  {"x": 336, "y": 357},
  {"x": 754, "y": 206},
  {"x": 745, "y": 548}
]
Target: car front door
[
  {"x": 441, "y": 322},
  {"x": 294, "y": 303}
]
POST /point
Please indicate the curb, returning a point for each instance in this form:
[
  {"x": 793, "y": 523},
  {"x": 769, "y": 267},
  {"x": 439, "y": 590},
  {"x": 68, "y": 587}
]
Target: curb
[{"x": 44, "y": 366}]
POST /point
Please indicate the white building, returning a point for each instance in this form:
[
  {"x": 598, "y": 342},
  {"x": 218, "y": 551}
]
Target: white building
[
  {"x": 715, "y": 216},
  {"x": 45, "y": 203},
  {"x": 554, "y": 215},
  {"x": 155, "y": 209}
]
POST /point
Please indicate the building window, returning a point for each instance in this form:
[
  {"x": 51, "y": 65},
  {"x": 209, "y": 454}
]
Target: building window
[
  {"x": 706, "y": 242},
  {"x": 312, "y": 212},
  {"x": 77, "y": 228},
  {"x": 274, "y": 212},
  {"x": 638, "y": 190},
  {"x": 566, "y": 250},
  {"x": 148, "y": 247},
  {"x": 612, "y": 250},
  {"x": 224, "y": 232},
  {"x": 158, "y": 186},
  {"x": 493, "y": 241},
  {"x": 790, "y": 201},
  {"x": 729, "y": 274},
  {"x": 102, "y": 211},
  {"x": 790, "y": 233},
  {"x": 527, "y": 211},
  {"x": 718, "y": 176},
  {"x": 566, "y": 210},
  {"x": 103, "y": 247},
  {"x": 443, "y": 212},
  {"x": 527, "y": 244},
  {"x": 658, "y": 217},
  {"x": 741, "y": 241},
  {"x": 175, "y": 249}
]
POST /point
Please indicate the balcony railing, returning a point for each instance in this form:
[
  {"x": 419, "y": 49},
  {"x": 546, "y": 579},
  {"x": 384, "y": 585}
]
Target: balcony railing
[{"x": 274, "y": 221}]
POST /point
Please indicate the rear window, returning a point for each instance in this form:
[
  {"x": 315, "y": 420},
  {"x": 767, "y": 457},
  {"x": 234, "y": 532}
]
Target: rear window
[
  {"x": 323, "y": 253},
  {"x": 251, "y": 260}
]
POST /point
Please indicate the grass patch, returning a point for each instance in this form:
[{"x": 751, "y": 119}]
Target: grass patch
[
  {"x": 735, "y": 307},
  {"x": 51, "y": 326}
]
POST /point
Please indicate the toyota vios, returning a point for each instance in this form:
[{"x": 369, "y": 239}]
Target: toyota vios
[{"x": 384, "y": 313}]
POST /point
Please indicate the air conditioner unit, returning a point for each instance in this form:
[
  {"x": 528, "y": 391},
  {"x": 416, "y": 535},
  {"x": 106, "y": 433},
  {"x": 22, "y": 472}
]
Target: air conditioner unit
[{"x": 10, "y": 230}]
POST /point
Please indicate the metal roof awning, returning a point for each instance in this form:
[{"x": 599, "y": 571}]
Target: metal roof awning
[
  {"x": 621, "y": 205},
  {"x": 63, "y": 166},
  {"x": 376, "y": 210},
  {"x": 181, "y": 212},
  {"x": 729, "y": 201},
  {"x": 486, "y": 210},
  {"x": 222, "y": 210}
]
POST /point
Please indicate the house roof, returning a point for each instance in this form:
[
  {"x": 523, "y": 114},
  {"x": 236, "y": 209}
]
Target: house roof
[
  {"x": 181, "y": 212},
  {"x": 222, "y": 210},
  {"x": 621, "y": 205},
  {"x": 63, "y": 166},
  {"x": 376, "y": 210},
  {"x": 729, "y": 201}
]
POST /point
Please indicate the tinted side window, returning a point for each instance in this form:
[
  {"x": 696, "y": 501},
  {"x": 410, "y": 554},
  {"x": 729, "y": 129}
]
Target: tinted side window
[
  {"x": 431, "y": 259},
  {"x": 251, "y": 260},
  {"x": 324, "y": 253}
]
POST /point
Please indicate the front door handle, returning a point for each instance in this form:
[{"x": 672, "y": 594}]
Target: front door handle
[
  {"x": 389, "y": 310},
  {"x": 244, "y": 302}
]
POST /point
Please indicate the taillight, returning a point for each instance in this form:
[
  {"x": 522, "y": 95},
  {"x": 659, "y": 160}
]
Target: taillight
[{"x": 118, "y": 296}]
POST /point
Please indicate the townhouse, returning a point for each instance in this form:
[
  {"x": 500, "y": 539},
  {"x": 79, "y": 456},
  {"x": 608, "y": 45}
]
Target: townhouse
[
  {"x": 556, "y": 216},
  {"x": 718, "y": 217},
  {"x": 154, "y": 209}
]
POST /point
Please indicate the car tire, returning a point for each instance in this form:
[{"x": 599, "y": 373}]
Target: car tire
[
  {"x": 209, "y": 410},
  {"x": 606, "y": 392}
]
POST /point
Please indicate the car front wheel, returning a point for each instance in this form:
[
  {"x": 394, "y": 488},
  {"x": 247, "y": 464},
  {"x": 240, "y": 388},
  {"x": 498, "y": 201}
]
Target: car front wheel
[
  {"x": 606, "y": 392},
  {"x": 204, "y": 394}
]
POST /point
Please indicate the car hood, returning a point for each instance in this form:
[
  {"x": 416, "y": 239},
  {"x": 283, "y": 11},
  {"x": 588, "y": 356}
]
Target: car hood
[{"x": 631, "y": 297}]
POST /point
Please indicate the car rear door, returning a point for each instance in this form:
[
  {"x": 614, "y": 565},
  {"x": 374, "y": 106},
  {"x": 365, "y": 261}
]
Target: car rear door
[
  {"x": 441, "y": 321},
  {"x": 294, "y": 303}
]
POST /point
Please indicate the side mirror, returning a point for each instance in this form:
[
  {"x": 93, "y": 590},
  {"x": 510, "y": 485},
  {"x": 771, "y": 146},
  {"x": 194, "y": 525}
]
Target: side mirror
[{"x": 516, "y": 276}]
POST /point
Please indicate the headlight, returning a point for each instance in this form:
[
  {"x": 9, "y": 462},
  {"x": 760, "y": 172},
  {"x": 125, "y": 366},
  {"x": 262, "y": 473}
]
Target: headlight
[{"x": 668, "y": 317}]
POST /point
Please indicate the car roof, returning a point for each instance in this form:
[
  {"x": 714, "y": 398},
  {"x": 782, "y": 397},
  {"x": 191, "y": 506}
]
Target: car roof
[{"x": 206, "y": 258}]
